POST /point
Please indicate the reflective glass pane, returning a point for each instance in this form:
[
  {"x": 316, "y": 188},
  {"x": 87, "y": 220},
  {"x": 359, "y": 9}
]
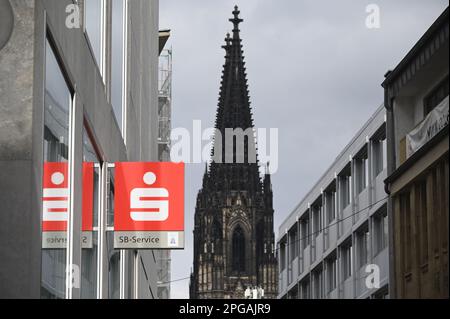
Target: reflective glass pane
[
  {"x": 113, "y": 268},
  {"x": 113, "y": 254},
  {"x": 58, "y": 99},
  {"x": 90, "y": 233},
  {"x": 93, "y": 21},
  {"x": 117, "y": 56}
]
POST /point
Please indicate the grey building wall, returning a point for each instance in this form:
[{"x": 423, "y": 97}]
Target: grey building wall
[
  {"x": 19, "y": 169},
  {"x": 304, "y": 254},
  {"x": 21, "y": 127}
]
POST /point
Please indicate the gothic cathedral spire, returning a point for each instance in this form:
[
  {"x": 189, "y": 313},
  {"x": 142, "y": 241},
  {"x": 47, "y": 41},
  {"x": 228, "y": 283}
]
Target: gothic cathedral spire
[
  {"x": 234, "y": 114},
  {"x": 233, "y": 232}
]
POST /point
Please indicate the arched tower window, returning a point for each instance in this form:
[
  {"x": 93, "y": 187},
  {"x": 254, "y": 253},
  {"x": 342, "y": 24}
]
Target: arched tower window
[{"x": 238, "y": 251}]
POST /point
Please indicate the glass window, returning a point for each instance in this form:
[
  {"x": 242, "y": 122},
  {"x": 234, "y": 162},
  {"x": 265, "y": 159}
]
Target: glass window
[
  {"x": 379, "y": 155},
  {"x": 238, "y": 254},
  {"x": 293, "y": 239},
  {"x": 293, "y": 294},
  {"x": 318, "y": 281},
  {"x": 90, "y": 249},
  {"x": 347, "y": 261},
  {"x": 306, "y": 235},
  {"x": 331, "y": 273},
  {"x": 346, "y": 186},
  {"x": 113, "y": 268},
  {"x": 365, "y": 163},
  {"x": 94, "y": 27},
  {"x": 330, "y": 202},
  {"x": 384, "y": 147},
  {"x": 383, "y": 293},
  {"x": 381, "y": 231},
  {"x": 305, "y": 289},
  {"x": 57, "y": 106},
  {"x": 282, "y": 256},
  {"x": 118, "y": 60},
  {"x": 363, "y": 247},
  {"x": 436, "y": 96},
  {"x": 317, "y": 220},
  {"x": 362, "y": 173}
]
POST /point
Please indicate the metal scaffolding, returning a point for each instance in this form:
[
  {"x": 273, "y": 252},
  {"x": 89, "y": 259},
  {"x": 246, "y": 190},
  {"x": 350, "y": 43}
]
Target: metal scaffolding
[
  {"x": 165, "y": 104},
  {"x": 163, "y": 257}
]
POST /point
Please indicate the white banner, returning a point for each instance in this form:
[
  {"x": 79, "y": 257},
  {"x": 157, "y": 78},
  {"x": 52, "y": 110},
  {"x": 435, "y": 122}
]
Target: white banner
[{"x": 429, "y": 128}]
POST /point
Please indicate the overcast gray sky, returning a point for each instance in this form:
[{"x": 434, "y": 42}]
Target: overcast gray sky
[{"x": 314, "y": 72}]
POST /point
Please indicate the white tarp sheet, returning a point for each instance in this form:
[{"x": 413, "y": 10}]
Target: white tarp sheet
[{"x": 430, "y": 127}]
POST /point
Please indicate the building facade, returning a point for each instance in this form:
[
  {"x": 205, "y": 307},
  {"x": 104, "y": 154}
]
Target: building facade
[
  {"x": 233, "y": 232},
  {"x": 338, "y": 234},
  {"x": 78, "y": 84},
  {"x": 416, "y": 99}
]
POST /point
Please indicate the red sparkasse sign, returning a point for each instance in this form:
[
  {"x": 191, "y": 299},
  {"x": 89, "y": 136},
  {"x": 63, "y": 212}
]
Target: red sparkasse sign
[
  {"x": 56, "y": 197},
  {"x": 55, "y": 201},
  {"x": 149, "y": 205}
]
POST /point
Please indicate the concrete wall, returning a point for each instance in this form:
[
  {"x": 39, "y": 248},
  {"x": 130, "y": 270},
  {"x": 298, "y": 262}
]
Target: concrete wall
[
  {"x": 19, "y": 169},
  {"x": 142, "y": 93}
]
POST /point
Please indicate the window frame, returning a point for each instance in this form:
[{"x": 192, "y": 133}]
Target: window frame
[
  {"x": 347, "y": 260},
  {"x": 381, "y": 240},
  {"x": 331, "y": 273},
  {"x": 363, "y": 245}
]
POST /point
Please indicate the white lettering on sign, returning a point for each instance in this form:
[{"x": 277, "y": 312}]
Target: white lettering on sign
[
  {"x": 148, "y": 204},
  {"x": 55, "y": 200}
]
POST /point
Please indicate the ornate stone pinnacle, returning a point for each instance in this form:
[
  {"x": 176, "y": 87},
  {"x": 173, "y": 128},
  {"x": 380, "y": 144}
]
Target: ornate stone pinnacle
[{"x": 236, "y": 20}]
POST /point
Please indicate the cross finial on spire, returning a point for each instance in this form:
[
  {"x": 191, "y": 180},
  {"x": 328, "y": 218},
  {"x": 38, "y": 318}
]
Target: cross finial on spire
[
  {"x": 236, "y": 20},
  {"x": 227, "y": 42},
  {"x": 228, "y": 39}
]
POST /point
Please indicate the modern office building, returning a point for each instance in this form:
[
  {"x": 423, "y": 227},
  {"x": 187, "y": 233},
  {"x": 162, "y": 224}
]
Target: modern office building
[
  {"x": 416, "y": 99},
  {"x": 340, "y": 227},
  {"x": 78, "y": 85}
]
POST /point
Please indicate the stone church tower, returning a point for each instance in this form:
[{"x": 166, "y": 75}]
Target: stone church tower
[{"x": 233, "y": 233}]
